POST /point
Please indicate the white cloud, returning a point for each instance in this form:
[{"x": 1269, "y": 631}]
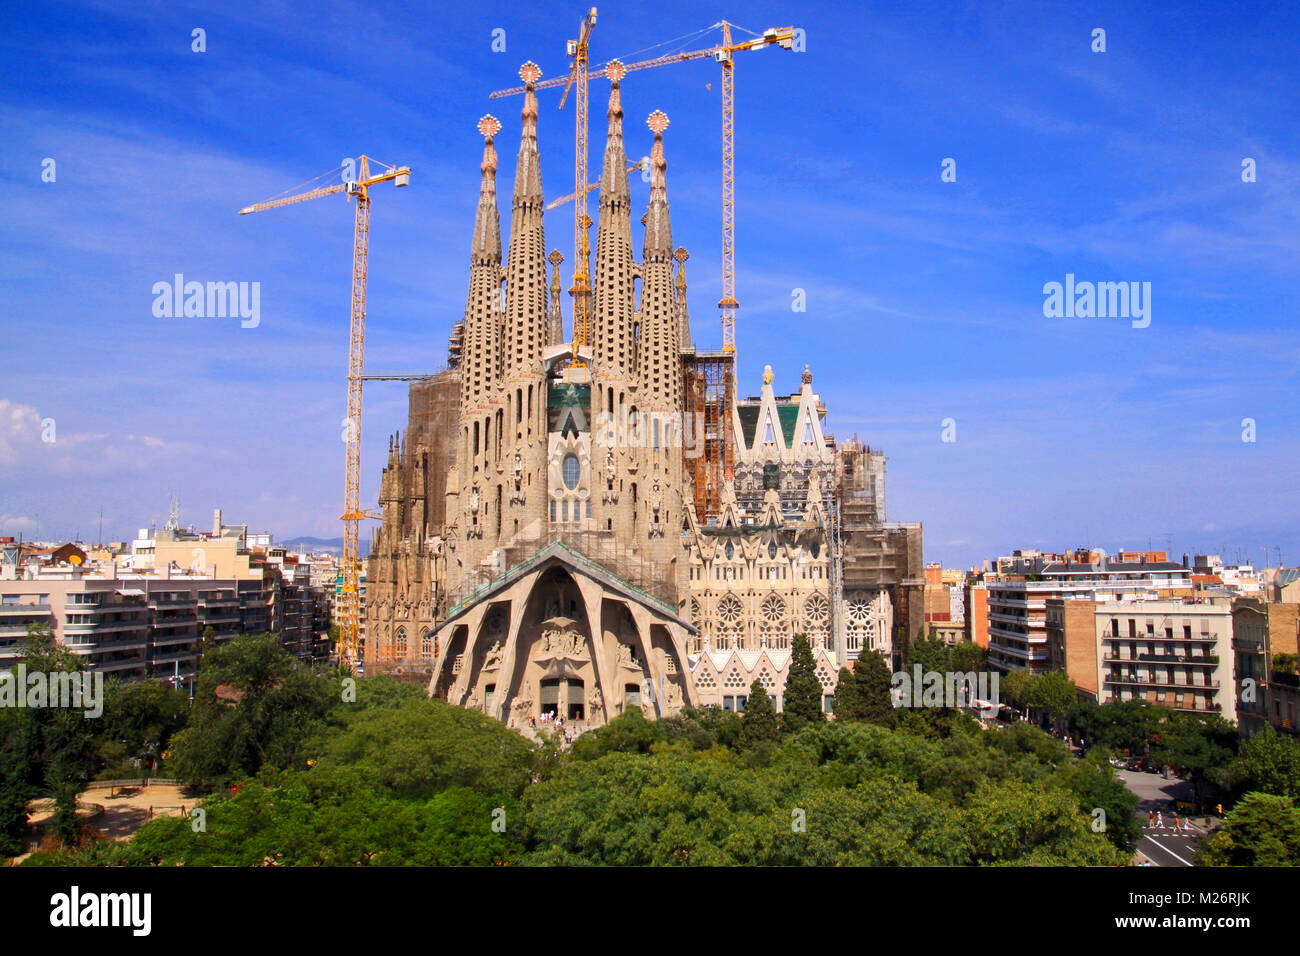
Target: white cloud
[{"x": 14, "y": 524}]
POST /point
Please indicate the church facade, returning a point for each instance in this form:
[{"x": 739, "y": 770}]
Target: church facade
[{"x": 544, "y": 551}]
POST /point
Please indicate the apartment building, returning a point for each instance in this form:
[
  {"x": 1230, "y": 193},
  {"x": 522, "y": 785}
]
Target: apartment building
[
  {"x": 1169, "y": 652},
  {"x": 103, "y": 620},
  {"x": 1025, "y": 581},
  {"x": 1268, "y": 695},
  {"x": 274, "y": 589}
]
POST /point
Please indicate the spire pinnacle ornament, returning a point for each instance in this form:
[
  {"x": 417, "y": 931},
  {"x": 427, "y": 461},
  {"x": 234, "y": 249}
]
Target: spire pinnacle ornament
[
  {"x": 530, "y": 73},
  {"x": 489, "y": 126}
]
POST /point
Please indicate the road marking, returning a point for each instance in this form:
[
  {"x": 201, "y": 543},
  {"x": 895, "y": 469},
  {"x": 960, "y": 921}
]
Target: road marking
[{"x": 1170, "y": 852}]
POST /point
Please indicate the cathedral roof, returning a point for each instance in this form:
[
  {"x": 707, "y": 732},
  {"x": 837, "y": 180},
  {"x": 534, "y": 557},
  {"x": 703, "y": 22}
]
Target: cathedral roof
[{"x": 557, "y": 552}]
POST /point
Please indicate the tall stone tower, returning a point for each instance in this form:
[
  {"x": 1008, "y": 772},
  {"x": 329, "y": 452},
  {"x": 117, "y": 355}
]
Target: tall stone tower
[{"x": 561, "y": 549}]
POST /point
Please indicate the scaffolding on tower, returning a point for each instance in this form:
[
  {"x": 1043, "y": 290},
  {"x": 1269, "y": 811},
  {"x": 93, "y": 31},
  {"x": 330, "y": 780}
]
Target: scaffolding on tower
[{"x": 710, "y": 379}]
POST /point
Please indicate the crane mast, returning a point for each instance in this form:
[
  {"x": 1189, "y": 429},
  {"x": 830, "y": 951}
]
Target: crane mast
[
  {"x": 350, "y": 640},
  {"x": 581, "y": 291},
  {"x": 728, "y": 303},
  {"x": 351, "y": 516}
]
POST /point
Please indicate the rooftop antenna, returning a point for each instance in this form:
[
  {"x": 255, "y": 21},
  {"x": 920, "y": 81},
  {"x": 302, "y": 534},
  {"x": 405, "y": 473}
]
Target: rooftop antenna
[{"x": 101, "y": 526}]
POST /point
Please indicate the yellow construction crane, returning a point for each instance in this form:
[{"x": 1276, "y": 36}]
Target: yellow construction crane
[
  {"x": 349, "y": 649},
  {"x": 555, "y": 204},
  {"x": 722, "y": 53},
  {"x": 581, "y": 291}
]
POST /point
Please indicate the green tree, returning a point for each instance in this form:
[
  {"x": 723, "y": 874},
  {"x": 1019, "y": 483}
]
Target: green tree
[
  {"x": 929, "y": 651},
  {"x": 1093, "y": 782},
  {"x": 428, "y": 746},
  {"x": 255, "y": 705},
  {"x": 759, "y": 724},
  {"x": 1053, "y": 693},
  {"x": 660, "y": 809},
  {"x": 1010, "y": 823},
  {"x": 18, "y": 733},
  {"x": 139, "y": 720},
  {"x": 63, "y": 757},
  {"x": 1196, "y": 746},
  {"x": 1266, "y": 763},
  {"x": 722, "y": 725},
  {"x": 847, "y": 704},
  {"x": 1118, "y": 725},
  {"x": 629, "y": 732},
  {"x": 872, "y": 679},
  {"x": 336, "y": 818},
  {"x": 803, "y": 691},
  {"x": 1261, "y": 830},
  {"x": 966, "y": 656},
  {"x": 1015, "y": 687}
]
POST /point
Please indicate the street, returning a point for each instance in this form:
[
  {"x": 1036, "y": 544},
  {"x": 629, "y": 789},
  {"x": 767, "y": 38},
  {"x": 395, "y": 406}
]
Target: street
[{"x": 1164, "y": 846}]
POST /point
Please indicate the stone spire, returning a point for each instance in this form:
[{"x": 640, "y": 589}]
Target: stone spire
[
  {"x": 479, "y": 361},
  {"x": 658, "y": 228},
  {"x": 683, "y": 315},
  {"x": 615, "y": 270},
  {"x": 555, "y": 321},
  {"x": 658, "y": 346},
  {"x": 526, "y": 312},
  {"x": 487, "y": 222}
]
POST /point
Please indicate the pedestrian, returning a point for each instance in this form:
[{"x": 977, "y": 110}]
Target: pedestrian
[
  {"x": 1160, "y": 819},
  {"x": 1151, "y": 819}
]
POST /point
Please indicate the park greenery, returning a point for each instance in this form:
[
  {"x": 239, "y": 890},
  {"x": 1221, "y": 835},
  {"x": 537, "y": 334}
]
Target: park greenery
[{"x": 295, "y": 765}]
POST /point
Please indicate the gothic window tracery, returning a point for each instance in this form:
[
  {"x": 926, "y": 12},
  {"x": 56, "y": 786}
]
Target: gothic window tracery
[
  {"x": 730, "y": 624},
  {"x": 860, "y": 627},
  {"x": 772, "y": 627},
  {"x": 816, "y": 612}
]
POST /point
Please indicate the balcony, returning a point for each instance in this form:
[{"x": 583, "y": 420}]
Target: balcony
[
  {"x": 113, "y": 667},
  {"x": 213, "y": 620},
  {"x": 1154, "y": 638},
  {"x": 91, "y": 631},
  {"x": 1032, "y": 654},
  {"x": 1017, "y": 635},
  {"x": 1013, "y": 619},
  {"x": 7, "y": 610},
  {"x": 1206, "y": 660},
  {"x": 169, "y": 658},
  {"x": 17, "y": 631},
  {"x": 1018, "y": 603},
  {"x": 164, "y": 640},
  {"x": 1142, "y": 680}
]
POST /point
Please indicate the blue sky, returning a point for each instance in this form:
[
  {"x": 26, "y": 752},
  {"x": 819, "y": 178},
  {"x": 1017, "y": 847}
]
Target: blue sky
[{"x": 924, "y": 298}]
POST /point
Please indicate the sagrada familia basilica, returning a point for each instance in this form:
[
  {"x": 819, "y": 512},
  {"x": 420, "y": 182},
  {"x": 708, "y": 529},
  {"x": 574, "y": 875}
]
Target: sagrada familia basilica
[{"x": 576, "y": 528}]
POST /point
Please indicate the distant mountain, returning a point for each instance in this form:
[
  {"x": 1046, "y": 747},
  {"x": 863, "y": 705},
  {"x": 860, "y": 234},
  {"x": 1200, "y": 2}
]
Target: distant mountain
[{"x": 331, "y": 545}]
